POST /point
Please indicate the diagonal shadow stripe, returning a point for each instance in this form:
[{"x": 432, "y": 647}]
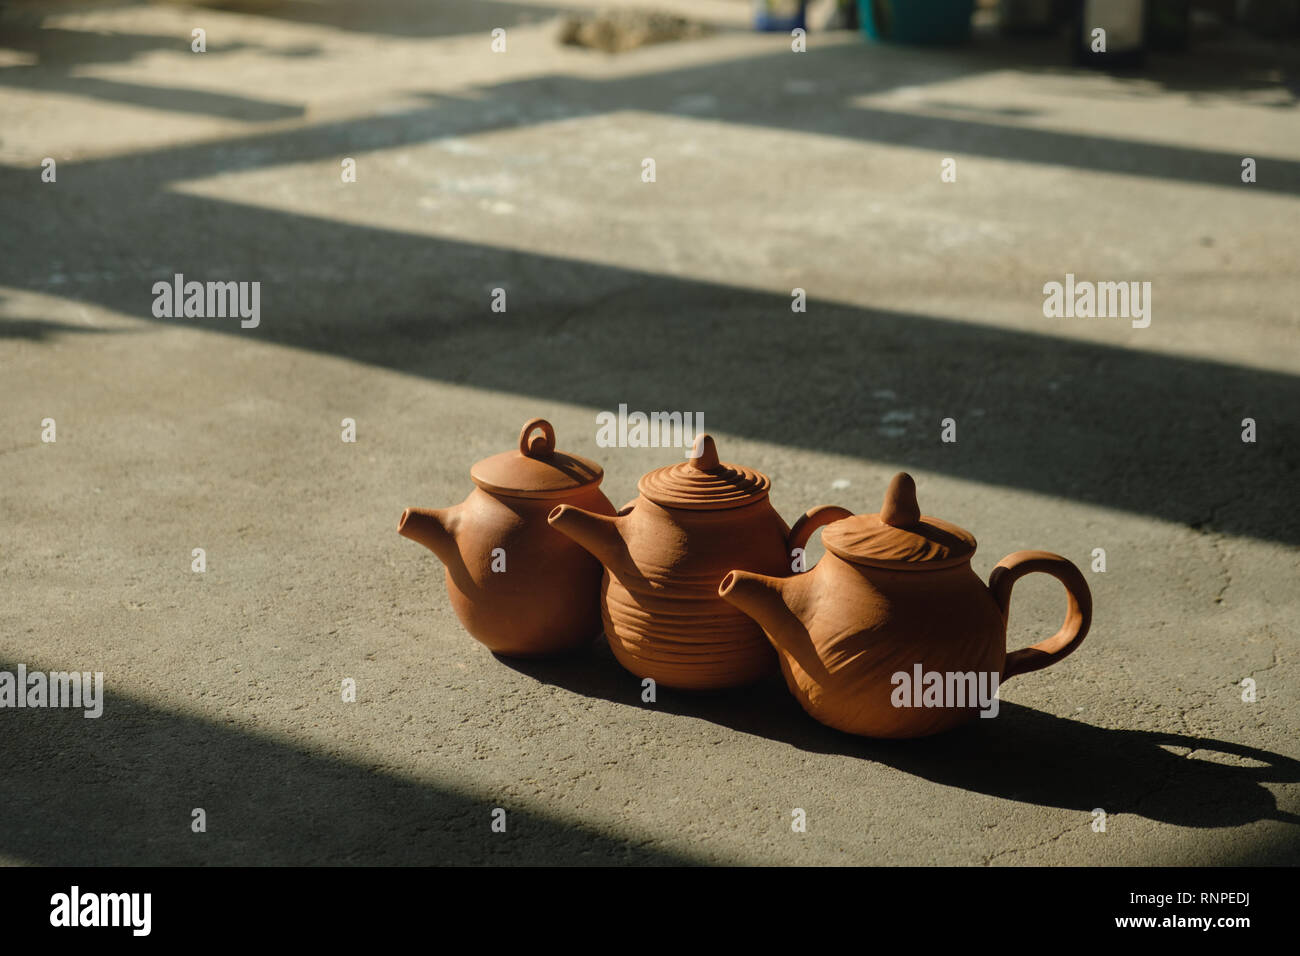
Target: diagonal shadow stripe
[
  {"x": 151, "y": 97},
  {"x": 119, "y": 790},
  {"x": 599, "y": 335},
  {"x": 1149, "y": 433},
  {"x": 745, "y": 91}
]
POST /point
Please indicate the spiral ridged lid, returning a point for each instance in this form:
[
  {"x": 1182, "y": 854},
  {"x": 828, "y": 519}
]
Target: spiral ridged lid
[
  {"x": 899, "y": 538},
  {"x": 537, "y": 469},
  {"x": 702, "y": 483}
]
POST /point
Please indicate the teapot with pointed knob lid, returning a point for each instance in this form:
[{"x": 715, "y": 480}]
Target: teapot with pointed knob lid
[
  {"x": 517, "y": 585},
  {"x": 891, "y": 634},
  {"x": 664, "y": 555}
]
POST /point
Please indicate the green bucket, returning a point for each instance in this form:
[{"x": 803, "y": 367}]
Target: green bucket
[{"x": 920, "y": 22}]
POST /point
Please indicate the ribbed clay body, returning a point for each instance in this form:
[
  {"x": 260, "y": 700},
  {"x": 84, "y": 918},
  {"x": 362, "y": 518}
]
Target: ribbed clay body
[
  {"x": 661, "y": 609},
  {"x": 664, "y": 557}
]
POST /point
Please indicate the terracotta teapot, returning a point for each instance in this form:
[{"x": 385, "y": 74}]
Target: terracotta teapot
[
  {"x": 516, "y": 585},
  {"x": 892, "y": 603},
  {"x": 664, "y": 555}
]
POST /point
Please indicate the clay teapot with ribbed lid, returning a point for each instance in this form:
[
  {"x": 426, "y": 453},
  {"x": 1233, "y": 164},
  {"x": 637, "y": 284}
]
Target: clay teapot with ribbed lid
[
  {"x": 516, "y": 584},
  {"x": 891, "y": 634},
  {"x": 664, "y": 555}
]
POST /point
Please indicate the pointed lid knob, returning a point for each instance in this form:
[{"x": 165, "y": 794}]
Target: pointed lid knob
[
  {"x": 703, "y": 483},
  {"x": 704, "y": 453},
  {"x": 900, "y": 509},
  {"x": 899, "y": 537},
  {"x": 537, "y": 469}
]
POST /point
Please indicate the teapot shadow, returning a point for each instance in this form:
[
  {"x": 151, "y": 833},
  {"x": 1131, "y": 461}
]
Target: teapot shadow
[{"x": 1023, "y": 754}]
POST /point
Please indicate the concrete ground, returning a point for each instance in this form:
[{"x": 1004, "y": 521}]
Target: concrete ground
[{"x": 522, "y": 170}]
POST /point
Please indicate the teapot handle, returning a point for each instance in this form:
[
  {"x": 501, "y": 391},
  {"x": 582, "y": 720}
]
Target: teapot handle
[
  {"x": 810, "y": 521},
  {"x": 1078, "y": 613}
]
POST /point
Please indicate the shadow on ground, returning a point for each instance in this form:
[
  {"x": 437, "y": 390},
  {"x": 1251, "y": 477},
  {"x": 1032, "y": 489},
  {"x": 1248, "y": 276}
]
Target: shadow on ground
[
  {"x": 1035, "y": 408},
  {"x": 751, "y": 90},
  {"x": 41, "y": 330},
  {"x": 1023, "y": 754},
  {"x": 121, "y": 789},
  {"x": 62, "y": 54},
  {"x": 1057, "y": 417}
]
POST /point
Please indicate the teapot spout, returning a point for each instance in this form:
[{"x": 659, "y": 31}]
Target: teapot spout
[
  {"x": 766, "y": 600},
  {"x": 434, "y": 528},
  {"x": 599, "y": 534}
]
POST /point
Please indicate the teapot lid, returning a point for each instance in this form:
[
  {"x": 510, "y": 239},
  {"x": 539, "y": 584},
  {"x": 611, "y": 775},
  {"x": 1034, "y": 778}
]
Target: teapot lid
[
  {"x": 536, "y": 470},
  {"x": 702, "y": 483},
  {"x": 899, "y": 537}
]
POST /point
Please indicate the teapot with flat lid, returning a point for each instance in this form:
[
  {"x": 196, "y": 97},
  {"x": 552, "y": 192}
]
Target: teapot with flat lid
[
  {"x": 891, "y": 634},
  {"x": 516, "y": 585}
]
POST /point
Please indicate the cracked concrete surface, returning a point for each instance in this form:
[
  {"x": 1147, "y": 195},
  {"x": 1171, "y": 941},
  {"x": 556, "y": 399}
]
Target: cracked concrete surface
[{"x": 522, "y": 171}]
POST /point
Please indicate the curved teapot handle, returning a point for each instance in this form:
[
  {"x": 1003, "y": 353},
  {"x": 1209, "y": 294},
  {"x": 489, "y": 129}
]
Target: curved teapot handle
[
  {"x": 1078, "y": 612},
  {"x": 810, "y": 521}
]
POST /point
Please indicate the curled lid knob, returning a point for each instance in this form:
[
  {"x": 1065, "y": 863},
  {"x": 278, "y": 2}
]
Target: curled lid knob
[
  {"x": 543, "y": 446},
  {"x": 704, "y": 453},
  {"x": 900, "y": 509},
  {"x": 537, "y": 469}
]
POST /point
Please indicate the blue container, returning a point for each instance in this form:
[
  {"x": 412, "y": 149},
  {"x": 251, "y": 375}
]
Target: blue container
[
  {"x": 920, "y": 22},
  {"x": 780, "y": 16}
]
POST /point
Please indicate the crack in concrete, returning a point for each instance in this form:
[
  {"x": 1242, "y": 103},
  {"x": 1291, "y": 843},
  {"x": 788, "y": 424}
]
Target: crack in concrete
[
  {"x": 7, "y": 451},
  {"x": 1236, "y": 683},
  {"x": 1206, "y": 527},
  {"x": 1163, "y": 785},
  {"x": 1277, "y": 658},
  {"x": 988, "y": 861},
  {"x": 597, "y": 303}
]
